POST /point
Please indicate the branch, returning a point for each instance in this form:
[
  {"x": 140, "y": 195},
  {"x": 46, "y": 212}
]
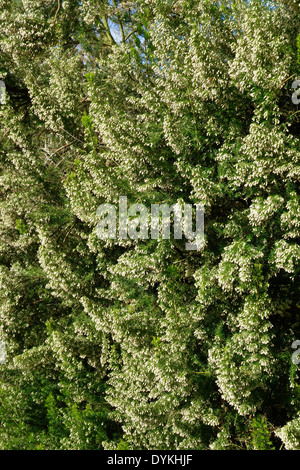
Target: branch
[
  {"x": 61, "y": 148},
  {"x": 128, "y": 35},
  {"x": 282, "y": 83},
  {"x": 57, "y": 11},
  {"x": 106, "y": 27},
  {"x": 119, "y": 20}
]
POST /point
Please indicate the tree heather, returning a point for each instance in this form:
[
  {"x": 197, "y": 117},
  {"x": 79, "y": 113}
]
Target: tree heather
[{"x": 140, "y": 344}]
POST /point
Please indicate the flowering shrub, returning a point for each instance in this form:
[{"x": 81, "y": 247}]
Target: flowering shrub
[{"x": 141, "y": 344}]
